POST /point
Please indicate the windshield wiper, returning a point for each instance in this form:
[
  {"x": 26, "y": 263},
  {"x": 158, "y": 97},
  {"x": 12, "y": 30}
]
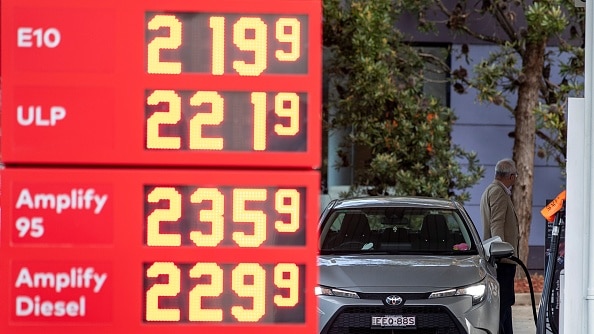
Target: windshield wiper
[{"x": 350, "y": 252}]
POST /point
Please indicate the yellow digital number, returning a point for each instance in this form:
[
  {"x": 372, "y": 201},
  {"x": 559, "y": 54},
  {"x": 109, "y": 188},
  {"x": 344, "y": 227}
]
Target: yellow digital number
[
  {"x": 293, "y": 37},
  {"x": 171, "y": 214},
  {"x": 214, "y": 289},
  {"x": 173, "y": 41},
  {"x": 217, "y": 24},
  {"x": 257, "y": 45},
  {"x": 287, "y": 105},
  {"x": 292, "y": 209},
  {"x": 214, "y": 216},
  {"x": 215, "y": 117},
  {"x": 259, "y": 102},
  {"x": 286, "y": 276},
  {"x": 256, "y": 291},
  {"x": 172, "y": 116},
  {"x": 169, "y": 289},
  {"x": 242, "y": 215}
]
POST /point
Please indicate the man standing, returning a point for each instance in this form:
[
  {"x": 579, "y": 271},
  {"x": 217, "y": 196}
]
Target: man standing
[{"x": 499, "y": 219}]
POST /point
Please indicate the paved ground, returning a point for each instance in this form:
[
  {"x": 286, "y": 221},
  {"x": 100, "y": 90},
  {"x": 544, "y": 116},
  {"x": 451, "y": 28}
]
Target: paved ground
[
  {"x": 523, "y": 319},
  {"x": 523, "y": 316}
]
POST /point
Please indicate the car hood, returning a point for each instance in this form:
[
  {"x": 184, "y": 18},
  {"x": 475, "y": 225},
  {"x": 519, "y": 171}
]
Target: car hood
[{"x": 418, "y": 273}]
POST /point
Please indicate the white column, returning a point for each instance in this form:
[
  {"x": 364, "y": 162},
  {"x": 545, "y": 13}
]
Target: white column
[
  {"x": 577, "y": 217},
  {"x": 588, "y": 165},
  {"x": 579, "y": 249}
]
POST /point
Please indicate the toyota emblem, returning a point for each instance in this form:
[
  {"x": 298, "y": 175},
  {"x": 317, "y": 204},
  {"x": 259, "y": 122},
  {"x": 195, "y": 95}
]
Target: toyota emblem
[{"x": 393, "y": 300}]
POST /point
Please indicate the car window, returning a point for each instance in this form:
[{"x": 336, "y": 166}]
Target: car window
[{"x": 396, "y": 230}]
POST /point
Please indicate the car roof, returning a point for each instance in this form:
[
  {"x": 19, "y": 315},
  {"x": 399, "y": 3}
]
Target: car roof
[{"x": 390, "y": 201}]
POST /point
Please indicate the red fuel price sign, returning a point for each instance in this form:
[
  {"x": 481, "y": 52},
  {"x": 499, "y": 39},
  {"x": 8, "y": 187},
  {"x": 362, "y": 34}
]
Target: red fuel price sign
[
  {"x": 160, "y": 166},
  {"x": 147, "y": 251}
]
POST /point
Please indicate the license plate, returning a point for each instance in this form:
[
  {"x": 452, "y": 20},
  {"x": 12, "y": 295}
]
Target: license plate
[{"x": 393, "y": 321}]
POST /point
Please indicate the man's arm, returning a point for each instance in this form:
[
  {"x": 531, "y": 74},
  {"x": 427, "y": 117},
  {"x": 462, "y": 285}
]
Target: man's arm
[{"x": 498, "y": 206}]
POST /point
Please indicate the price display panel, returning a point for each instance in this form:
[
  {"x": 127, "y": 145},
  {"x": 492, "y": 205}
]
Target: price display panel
[
  {"x": 157, "y": 250},
  {"x": 165, "y": 83}
]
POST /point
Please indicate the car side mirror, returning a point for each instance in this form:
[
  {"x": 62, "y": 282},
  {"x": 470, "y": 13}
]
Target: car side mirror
[{"x": 500, "y": 250}]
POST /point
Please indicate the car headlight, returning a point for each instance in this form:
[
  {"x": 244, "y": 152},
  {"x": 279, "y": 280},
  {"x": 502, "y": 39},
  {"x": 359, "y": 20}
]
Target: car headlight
[
  {"x": 327, "y": 291},
  {"x": 477, "y": 291}
]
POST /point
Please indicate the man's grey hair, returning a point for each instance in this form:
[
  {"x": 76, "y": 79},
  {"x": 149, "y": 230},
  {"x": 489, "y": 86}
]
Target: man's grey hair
[{"x": 505, "y": 167}]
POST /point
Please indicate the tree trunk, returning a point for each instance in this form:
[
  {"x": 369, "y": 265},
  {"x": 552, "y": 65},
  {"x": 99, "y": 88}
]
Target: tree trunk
[{"x": 524, "y": 143}]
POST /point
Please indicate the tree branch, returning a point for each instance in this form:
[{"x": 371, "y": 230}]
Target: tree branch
[
  {"x": 465, "y": 29},
  {"x": 433, "y": 59},
  {"x": 504, "y": 22},
  {"x": 553, "y": 143}
]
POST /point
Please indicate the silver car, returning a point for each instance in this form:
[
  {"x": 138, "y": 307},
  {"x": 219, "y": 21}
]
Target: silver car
[{"x": 405, "y": 265}]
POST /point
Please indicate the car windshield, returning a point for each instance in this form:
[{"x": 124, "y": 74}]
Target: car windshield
[{"x": 396, "y": 230}]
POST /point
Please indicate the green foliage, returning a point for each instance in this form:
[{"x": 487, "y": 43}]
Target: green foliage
[
  {"x": 378, "y": 81},
  {"x": 497, "y": 75},
  {"x": 544, "y": 19}
]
